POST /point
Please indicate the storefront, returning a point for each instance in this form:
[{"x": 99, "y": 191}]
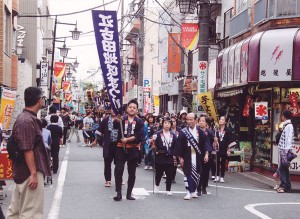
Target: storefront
[
  {"x": 257, "y": 79},
  {"x": 168, "y": 97}
]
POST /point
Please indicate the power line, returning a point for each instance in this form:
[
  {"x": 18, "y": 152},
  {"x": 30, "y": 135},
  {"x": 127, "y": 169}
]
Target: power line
[
  {"x": 167, "y": 13},
  {"x": 67, "y": 14}
]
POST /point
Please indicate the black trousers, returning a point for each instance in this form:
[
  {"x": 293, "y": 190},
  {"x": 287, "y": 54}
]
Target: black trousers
[
  {"x": 204, "y": 176},
  {"x": 212, "y": 164},
  {"x": 107, "y": 168},
  {"x": 174, "y": 171},
  {"x": 120, "y": 160},
  {"x": 55, "y": 156},
  {"x": 65, "y": 135},
  {"x": 160, "y": 169},
  {"x": 221, "y": 162}
]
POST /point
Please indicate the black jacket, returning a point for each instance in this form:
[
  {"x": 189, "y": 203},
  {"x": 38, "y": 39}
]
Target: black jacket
[
  {"x": 183, "y": 150},
  {"x": 164, "y": 154}
]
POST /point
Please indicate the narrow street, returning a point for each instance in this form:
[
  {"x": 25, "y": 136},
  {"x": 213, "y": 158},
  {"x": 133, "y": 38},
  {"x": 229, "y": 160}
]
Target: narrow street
[{"x": 78, "y": 192}]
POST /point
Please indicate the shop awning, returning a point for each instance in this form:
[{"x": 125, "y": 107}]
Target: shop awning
[{"x": 230, "y": 92}]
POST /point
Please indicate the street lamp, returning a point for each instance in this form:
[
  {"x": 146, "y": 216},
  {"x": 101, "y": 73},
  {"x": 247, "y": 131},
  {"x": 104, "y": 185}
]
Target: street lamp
[
  {"x": 19, "y": 50},
  {"x": 64, "y": 50},
  {"x": 76, "y": 63},
  {"x": 69, "y": 74},
  {"x": 187, "y": 6},
  {"x": 75, "y": 33}
]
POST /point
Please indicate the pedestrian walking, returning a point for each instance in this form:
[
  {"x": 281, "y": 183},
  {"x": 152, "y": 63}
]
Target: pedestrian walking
[
  {"x": 66, "y": 120},
  {"x": 88, "y": 129},
  {"x": 203, "y": 124},
  {"x": 53, "y": 111},
  {"x": 109, "y": 129},
  {"x": 147, "y": 147},
  {"x": 285, "y": 147},
  {"x": 73, "y": 127},
  {"x": 29, "y": 170},
  {"x": 57, "y": 135},
  {"x": 182, "y": 119},
  {"x": 164, "y": 151},
  {"x": 225, "y": 142},
  {"x": 176, "y": 130},
  {"x": 128, "y": 149},
  {"x": 191, "y": 148}
]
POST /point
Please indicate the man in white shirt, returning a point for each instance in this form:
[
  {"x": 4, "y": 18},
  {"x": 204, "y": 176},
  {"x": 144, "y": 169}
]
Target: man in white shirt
[
  {"x": 52, "y": 111},
  {"x": 88, "y": 129},
  {"x": 73, "y": 127}
]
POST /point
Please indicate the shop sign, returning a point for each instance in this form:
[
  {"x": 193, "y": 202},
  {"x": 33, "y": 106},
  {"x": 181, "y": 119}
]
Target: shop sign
[
  {"x": 170, "y": 89},
  {"x": 7, "y": 106},
  {"x": 5, "y": 163},
  {"x": 207, "y": 102},
  {"x": 237, "y": 64},
  {"x": 21, "y": 36},
  {"x": 295, "y": 164},
  {"x": 244, "y": 61},
  {"x": 140, "y": 97},
  {"x": 44, "y": 73},
  {"x": 276, "y": 49},
  {"x": 261, "y": 110},
  {"x": 147, "y": 95},
  {"x": 202, "y": 77},
  {"x": 286, "y": 92},
  {"x": 133, "y": 92},
  {"x": 224, "y": 68}
]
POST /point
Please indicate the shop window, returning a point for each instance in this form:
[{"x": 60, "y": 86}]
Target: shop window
[
  {"x": 227, "y": 16},
  {"x": 242, "y": 5}
]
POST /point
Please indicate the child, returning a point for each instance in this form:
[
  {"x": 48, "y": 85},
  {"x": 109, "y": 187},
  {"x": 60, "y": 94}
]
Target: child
[{"x": 56, "y": 133}]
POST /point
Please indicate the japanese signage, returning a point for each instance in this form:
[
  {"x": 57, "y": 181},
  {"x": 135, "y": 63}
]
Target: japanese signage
[
  {"x": 202, "y": 77},
  {"x": 295, "y": 164},
  {"x": 68, "y": 97},
  {"x": 147, "y": 95},
  {"x": 276, "y": 49},
  {"x": 174, "y": 53},
  {"x": 5, "y": 163},
  {"x": 107, "y": 39},
  {"x": 44, "y": 74},
  {"x": 156, "y": 103},
  {"x": 294, "y": 102},
  {"x": 59, "y": 69},
  {"x": 21, "y": 36},
  {"x": 207, "y": 102},
  {"x": 7, "y": 106},
  {"x": 246, "y": 110},
  {"x": 190, "y": 35},
  {"x": 261, "y": 110},
  {"x": 286, "y": 92}
]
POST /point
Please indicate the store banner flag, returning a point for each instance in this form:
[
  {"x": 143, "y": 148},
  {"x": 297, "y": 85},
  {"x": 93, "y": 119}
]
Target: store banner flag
[
  {"x": 107, "y": 40},
  {"x": 7, "y": 106},
  {"x": 59, "y": 69},
  {"x": 68, "y": 97},
  {"x": 261, "y": 110},
  {"x": 189, "y": 35},
  {"x": 246, "y": 110},
  {"x": 294, "y": 102},
  {"x": 66, "y": 86},
  {"x": 5, "y": 163},
  {"x": 174, "y": 53},
  {"x": 207, "y": 102}
]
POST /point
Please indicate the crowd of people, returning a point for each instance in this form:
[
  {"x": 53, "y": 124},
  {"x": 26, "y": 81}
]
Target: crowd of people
[{"x": 165, "y": 142}]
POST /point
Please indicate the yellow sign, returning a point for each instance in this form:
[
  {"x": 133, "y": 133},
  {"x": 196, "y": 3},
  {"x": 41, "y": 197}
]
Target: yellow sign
[
  {"x": 7, "y": 106},
  {"x": 207, "y": 103},
  {"x": 156, "y": 100}
]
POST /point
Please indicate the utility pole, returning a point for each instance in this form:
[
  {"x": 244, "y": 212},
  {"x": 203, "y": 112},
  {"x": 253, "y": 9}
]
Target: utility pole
[
  {"x": 52, "y": 61},
  {"x": 141, "y": 46},
  {"x": 204, "y": 18}
]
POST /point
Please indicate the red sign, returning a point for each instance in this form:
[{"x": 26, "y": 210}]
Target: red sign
[
  {"x": 5, "y": 166},
  {"x": 66, "y": 85},
  {"x": 294, "y": 102},
  {"x": 59, "y": 69},
  {"x": 190, "y": 35},
  {"x": 174, "y": 53},
  {"x": 247, "y": 106}
]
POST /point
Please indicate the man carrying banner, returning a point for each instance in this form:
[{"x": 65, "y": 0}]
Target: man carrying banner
[
  {"x": 128, "y": 149},
  {"x": 191, "y": 148}
]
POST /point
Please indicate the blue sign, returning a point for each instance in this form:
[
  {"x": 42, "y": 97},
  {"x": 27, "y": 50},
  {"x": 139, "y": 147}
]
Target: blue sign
[{"x": 107, "y": 39}]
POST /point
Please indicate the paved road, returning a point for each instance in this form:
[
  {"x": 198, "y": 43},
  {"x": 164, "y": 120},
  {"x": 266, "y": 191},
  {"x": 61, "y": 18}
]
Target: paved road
[{"x": 78, "y": 192}]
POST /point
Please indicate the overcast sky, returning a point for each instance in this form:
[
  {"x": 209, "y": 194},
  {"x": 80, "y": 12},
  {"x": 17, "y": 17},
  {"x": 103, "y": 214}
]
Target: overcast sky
[{"x": 84, "y": 48}]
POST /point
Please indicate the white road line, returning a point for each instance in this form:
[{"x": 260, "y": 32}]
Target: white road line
[
  {"x": 55, "y": 207},
  {"x": 251, "y": 207},
  {"x": 234, "y": 188}
]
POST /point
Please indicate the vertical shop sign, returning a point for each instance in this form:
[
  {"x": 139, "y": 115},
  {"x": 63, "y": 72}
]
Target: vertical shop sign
[
  {"x": 244, "y": 61},
  {"x": 174, "y": 53},
  {"x": 207, "y": 102},
  {"x": 202, "y": 77},
  {"x": 147, "y": 95},
  {"x": 44, "y": 73},
  {"x": 7, "y": 106}
]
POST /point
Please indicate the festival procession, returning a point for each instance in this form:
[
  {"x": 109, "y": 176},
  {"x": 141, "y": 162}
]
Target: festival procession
[{"x": 150, "y": 109}]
